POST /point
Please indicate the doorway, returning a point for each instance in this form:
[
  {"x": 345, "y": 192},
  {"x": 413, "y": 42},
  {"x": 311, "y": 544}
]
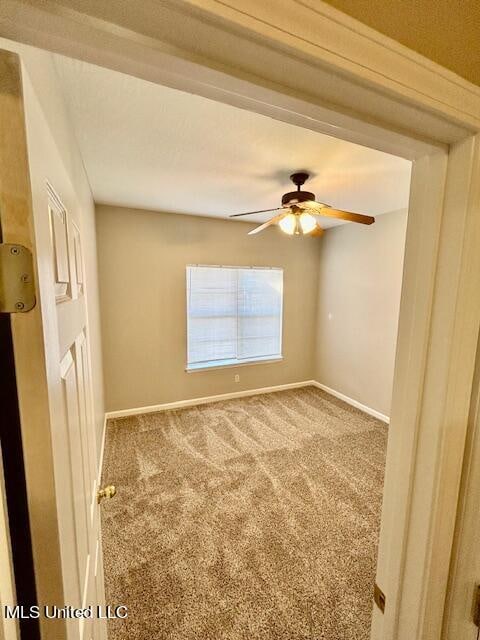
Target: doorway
[{"x": 435, "y": 246}]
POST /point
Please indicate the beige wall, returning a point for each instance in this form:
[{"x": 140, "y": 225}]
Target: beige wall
[
  {"x": 142, "y": 259},
  {"x": 446, "y": 32},
  {"x": 352, "y": 274},
  {"x": 359, "y": 298}
]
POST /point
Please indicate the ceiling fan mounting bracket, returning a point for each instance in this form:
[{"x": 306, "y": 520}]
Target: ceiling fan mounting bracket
[
  {"x": 299, "y": 178},
  {"x": 295, "y": 197}
]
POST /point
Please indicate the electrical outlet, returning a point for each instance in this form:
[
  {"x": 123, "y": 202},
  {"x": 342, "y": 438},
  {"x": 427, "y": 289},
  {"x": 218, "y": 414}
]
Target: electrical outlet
[{"x": 237, "y": 378}]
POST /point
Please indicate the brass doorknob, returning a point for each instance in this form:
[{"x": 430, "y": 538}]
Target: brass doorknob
[{"x": 107, "y": 492}]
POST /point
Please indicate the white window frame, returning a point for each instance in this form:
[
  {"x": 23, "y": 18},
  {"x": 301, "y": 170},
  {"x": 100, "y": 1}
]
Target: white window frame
[{"x": 231, "y": 362}]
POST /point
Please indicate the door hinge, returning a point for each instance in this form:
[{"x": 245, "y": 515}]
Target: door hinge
[
  {"x": 379, "y": 598},
  {"x": 17, "y": 289},
  {"x": 476, "y": 606}
]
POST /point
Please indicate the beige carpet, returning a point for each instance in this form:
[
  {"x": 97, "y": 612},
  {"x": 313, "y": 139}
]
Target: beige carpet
[{"x": 254, "y": 518}]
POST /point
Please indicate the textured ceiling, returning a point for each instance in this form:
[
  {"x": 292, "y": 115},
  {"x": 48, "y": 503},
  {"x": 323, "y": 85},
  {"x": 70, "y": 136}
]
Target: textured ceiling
[{"x": 149, "y": 146}]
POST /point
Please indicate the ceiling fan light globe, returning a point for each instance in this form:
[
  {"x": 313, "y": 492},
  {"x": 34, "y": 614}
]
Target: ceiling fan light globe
[
  {"x": 307, "y": 222},
  {"x": 288, "y": 224}
]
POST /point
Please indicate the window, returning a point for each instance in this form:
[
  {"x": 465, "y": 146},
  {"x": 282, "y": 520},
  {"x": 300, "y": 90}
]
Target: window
[{"x": 234, "y": 315}]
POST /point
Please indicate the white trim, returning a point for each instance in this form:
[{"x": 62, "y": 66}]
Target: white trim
[
  {"x": 102, "y": 451},
  {"x": 418, "y": 97},
  {"x": 465, "y": 567},
  {"x": 438, "y": 403},
  {"x": 351, "y": 401},
  {"x": 232, "y": 266},
  {"x": 98, "y": 469},
  {"x": 245, "y": 363},
  {"x": 321, "y": 31},
  {"x": 205, "y": 400},
  {"x": 179, "y": 404}
]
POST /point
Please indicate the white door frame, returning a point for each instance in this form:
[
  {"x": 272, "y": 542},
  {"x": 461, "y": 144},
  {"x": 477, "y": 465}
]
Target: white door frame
[
  {"x": 303, "y": 62},
  {"x": 465, "y": 565}
]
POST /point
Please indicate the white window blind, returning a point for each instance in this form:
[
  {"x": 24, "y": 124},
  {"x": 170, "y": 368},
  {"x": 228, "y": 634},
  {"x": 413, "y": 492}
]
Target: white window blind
[{"x": 234, "y": 315}]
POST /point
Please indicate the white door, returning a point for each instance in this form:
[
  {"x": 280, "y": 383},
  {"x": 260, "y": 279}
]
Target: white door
[
  {"x": 52, "y": 362},
  {"x": 75, "y": 453}
]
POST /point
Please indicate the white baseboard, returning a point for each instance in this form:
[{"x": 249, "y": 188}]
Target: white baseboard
[
  {"x": 354, "y": 403},
  {"x": 240, "y": 394},
  {"x": 195, "y": 401}
]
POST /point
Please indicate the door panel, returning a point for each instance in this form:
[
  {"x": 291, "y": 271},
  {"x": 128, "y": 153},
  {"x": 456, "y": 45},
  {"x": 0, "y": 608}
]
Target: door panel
[
  {"x": 79, "y": 498},
  {"x": 85, "y": 417},
  {"x": 80, "y": 436},
  {"x": 58, "y": 227},
  {"x": 77, "y": 248},
  {"x": 88, "y": 419},
  {"x": 71, "y": 322}
]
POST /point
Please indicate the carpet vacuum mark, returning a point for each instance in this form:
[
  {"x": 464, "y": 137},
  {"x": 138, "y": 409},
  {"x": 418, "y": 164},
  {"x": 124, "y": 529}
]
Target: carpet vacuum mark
[{"x": 253, "y": 518}]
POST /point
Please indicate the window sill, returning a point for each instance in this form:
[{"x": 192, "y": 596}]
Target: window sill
[{"x": 230, "y": 365}]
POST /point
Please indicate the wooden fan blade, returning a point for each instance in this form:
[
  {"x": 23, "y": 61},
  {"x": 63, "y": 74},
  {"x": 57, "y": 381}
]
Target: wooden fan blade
[
  {"x": 263, "y": 226},
  {"x": 317, "y": 232},
  {"x": 347, "y": 215},
  {"x": 250, "y": 213},
  {"x": 325, "y": 210}
]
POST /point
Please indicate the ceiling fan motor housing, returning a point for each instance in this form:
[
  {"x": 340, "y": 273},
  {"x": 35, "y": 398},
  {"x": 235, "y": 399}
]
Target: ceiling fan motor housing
[{"x": 294, "y": 197}]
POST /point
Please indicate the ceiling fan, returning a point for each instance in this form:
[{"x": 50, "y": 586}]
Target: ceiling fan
[{"x": 299, "y": 209}]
